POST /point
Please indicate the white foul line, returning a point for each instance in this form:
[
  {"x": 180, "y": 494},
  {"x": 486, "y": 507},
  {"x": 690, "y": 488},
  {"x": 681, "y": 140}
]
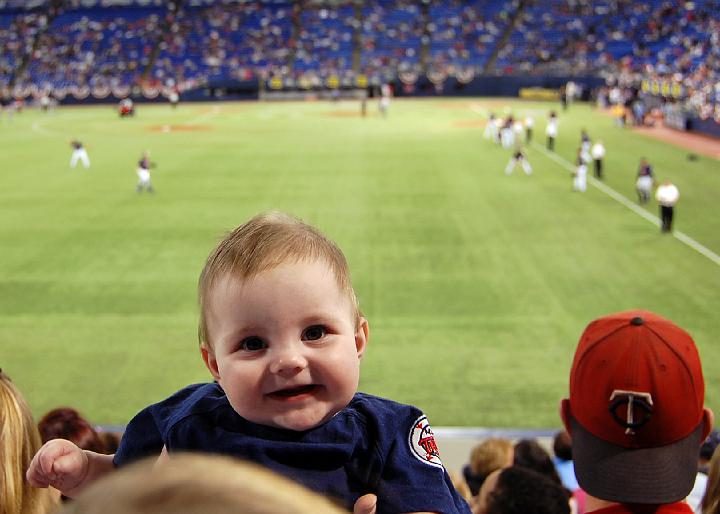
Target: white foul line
[
  {"x": 632, "y": 206},
  {"x": 40, "y": 129},
  {"x": 622, "y": 199}
]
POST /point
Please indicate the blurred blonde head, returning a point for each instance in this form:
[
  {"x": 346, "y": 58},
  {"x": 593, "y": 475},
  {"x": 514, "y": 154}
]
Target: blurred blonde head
[
  {"x": 19, "y": 440},
  {"x": 198, "y": 484},
  {"x": 711, "y": 499},
  {"x": 493, "y": 453}
]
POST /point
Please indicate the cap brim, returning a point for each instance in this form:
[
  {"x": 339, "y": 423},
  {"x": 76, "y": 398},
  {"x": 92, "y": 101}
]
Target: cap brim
[{"x": 647, "y": 475}]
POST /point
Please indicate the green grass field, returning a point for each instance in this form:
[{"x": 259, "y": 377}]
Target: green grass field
[{"x": 477, "y": 285}]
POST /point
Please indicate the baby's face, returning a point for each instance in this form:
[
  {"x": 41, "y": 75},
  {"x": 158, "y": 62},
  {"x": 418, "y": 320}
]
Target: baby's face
[{"x": 286, "y": 347}]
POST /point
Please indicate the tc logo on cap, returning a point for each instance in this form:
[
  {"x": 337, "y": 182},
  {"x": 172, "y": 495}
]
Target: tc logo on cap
[{"x": 632, "y": 399}]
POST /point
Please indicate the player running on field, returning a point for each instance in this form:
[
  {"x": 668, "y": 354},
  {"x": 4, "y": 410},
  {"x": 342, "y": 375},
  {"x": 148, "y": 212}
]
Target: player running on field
[{"x": 143, "y": 172}]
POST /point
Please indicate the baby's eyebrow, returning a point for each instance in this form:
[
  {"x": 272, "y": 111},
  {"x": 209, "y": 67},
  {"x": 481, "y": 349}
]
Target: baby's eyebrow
[{"x": 320, "y": 317}]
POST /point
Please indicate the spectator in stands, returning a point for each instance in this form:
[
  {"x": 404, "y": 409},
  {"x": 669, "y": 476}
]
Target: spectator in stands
[
  {"x": 529, "y": 454},
  {"x": 67, "y": 423},
  {"x": 638, "y": 109},
  {"x": 19, "y": 440},
  {"x": 619, "y": 114},
  {"x": 711, "y": 499},
  {"x": 695, "y": 497},
  {"x": 491, "y": 454},
  {"x": 707, "y": 450},
  {"x": 562, "y": 448},
  {"x": 636, "y": 414},
  {"x": 518, "y": 490},
  {"x": 198, "y": 484},
  {"x": 282, "y": 335},
  {"x": 110, "y": 440}
]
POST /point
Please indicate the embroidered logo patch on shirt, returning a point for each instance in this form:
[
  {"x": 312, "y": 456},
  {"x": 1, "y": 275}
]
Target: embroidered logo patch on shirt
[{"x": 422, "y": 443}]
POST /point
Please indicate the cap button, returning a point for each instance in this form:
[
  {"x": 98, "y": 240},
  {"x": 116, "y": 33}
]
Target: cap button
[{"x": 637, "y": 321}]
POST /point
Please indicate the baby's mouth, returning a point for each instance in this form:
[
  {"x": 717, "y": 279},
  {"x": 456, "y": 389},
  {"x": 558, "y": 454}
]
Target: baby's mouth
[{"x": 294, "y": 392}]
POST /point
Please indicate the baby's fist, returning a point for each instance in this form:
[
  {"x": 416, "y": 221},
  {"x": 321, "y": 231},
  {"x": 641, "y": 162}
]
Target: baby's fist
[{"x": 60, "y": 464}]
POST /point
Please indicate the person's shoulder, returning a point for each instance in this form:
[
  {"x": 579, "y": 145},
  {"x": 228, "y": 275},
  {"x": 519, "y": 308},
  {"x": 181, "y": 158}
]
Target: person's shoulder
[
  {"x": 146, "y": 433},
  {"x": 191, "y": 400},
  {"x": 381, "y": 414},
  {"x": 379, "y": 403}
]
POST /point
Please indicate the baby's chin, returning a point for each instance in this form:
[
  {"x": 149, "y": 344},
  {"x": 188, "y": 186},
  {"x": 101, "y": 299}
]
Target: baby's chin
[{"x": 300, "y": 421}]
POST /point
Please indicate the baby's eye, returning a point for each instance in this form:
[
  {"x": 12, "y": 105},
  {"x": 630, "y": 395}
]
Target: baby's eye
[
  {"x": 314, "y": 333},
  {"x": 252, "y": 344}
]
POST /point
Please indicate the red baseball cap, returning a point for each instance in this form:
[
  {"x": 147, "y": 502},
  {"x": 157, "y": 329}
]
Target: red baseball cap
[{"x": 636, "y": 409}]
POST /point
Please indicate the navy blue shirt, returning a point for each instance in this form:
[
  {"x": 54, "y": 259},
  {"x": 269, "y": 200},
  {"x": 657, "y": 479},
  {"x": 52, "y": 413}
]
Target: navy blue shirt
[
  {"x": 645, "y": 170},
  {"x": 373, "y": 445}
]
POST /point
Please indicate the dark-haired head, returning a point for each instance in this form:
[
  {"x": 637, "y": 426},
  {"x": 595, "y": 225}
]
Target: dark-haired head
[
  {"x": 67, "y": 423},
  {"x": 519, "y": 490},
  {"x": 529, "y": 454},
  {"x": 562, "y": 445}
]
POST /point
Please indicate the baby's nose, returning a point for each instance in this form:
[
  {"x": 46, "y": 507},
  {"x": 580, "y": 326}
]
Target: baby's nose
[{"x": 288, "y": 362}]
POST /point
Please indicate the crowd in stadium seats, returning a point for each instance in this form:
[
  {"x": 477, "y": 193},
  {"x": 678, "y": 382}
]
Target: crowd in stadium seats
[
  {"x": 17, "y": 34},
  {"x": 464, "y": 35},
  {"x": 224, "y": 42},
  {"x": 109, "y": 45},
  {"x": 324, "y": 42},
  {"x": 93, "y": 48},
  {"x": 586, "y": 36}
]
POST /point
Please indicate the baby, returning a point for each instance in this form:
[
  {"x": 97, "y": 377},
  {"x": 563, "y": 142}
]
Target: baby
[{"x": 282, "y": 335}]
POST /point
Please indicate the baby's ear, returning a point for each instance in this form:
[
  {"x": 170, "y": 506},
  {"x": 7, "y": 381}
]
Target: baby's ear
[
  {"x": 362, "y": 333},
  {"x": 208, "y": 357}
]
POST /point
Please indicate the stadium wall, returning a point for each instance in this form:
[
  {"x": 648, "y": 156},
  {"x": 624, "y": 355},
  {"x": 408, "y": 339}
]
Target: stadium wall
[
  {"x": 492, "y": 86},
  {"x": 708, "y": 127},
  {"x": 419, "y": 87}
]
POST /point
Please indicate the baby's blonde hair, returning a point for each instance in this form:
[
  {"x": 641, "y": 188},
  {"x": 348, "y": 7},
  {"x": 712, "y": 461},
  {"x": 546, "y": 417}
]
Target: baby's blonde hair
[
  {"x": 19, "y": 440},
  {"x": 263, "y": 243}
]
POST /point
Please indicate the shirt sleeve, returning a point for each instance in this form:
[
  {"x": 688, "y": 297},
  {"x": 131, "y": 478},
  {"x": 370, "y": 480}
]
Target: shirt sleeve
[
  {"x": 142, "y": 438},
  {"x": 146, "y": 433},
  {"x": 413, "y": 476}
]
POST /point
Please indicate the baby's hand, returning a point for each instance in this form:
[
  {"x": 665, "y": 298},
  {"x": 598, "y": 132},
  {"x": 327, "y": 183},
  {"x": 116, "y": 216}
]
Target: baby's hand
[{"x": 59, "y": 463}]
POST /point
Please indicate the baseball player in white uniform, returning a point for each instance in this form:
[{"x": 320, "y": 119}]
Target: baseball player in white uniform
[
  {"x": 79, "y": 154},
  {"x": 580, "y": 175},
  {"x": 143, "y": 173},
  {"x": 529, "y": 124},
  {"x": 551, "y": 131},
  {"x": 518, "y": 157}
]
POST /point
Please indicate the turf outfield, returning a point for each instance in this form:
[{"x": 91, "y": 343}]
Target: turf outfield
[{"x": 477, "y": 285}]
